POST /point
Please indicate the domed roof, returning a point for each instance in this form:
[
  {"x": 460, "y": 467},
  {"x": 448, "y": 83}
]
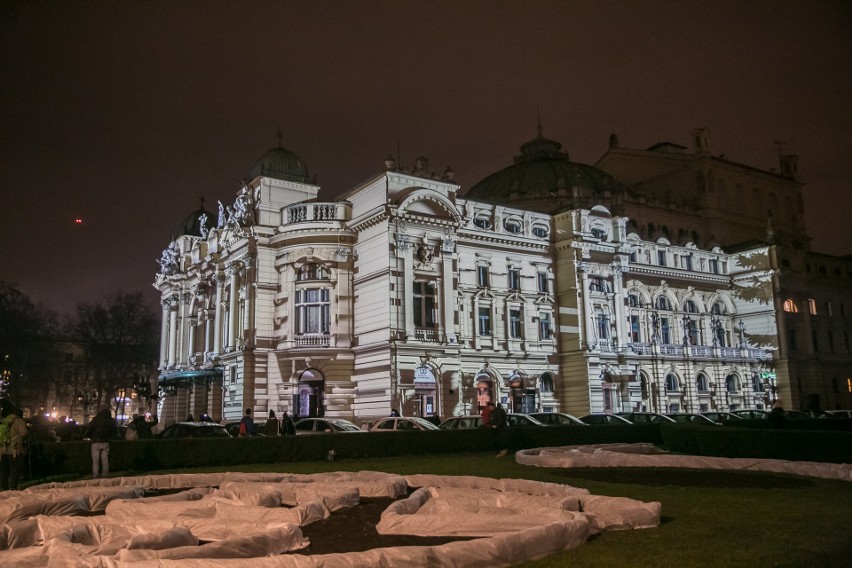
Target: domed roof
[
  {"x": 543, "y": 178},
  {"x": 280, "y": 163},
  {"x": 191, "y": 225}
]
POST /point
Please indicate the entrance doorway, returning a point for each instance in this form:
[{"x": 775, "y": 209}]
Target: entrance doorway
[
  {"x": 308, "y": 400},
  {"x": 484, "y": 391}
]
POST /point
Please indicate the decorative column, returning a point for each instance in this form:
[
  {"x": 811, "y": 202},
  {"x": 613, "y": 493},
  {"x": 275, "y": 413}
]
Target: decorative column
[
  {"x": 250, "y": 300},
  {"x": 173, "y": 331},
  {"x": 218, "y": 313},
  {"x": 233, "y": 319},
  {"x": 403, "y": 248},
  {"x": 447, "y": 322},
  {"x": 164, "y": 333}
]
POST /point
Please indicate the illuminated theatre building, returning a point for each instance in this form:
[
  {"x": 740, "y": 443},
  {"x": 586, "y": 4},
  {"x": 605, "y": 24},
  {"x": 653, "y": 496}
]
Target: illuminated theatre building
[{"x": 549, "y": 286}]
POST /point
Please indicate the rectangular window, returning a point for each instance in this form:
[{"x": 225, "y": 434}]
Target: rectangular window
[
  {"x": 425, "y": 314},
  {"x": 514, "y": 279},
  {"x": 687, "y": 262},
  {"x": 515, "y": 324},
  {"x": 665, "y": 331},
  {"x": 484, "y": 321},
  {"x": 846, "y": 341},
  {"x": 482, "y": 276},
  {"x": 661, "y": 257},
  {"x": 828, "y": 310},
  {"x": 791, "y": 339},
  {"x": 634, "y": 328},
  {"x": 313, "y": 313},
  {"x": 603, "y": 326},
  {"x": 714, "y": 266},
  {"x": 812, "y": 306},
  {"x": 545, "y": 327},
  {"x": 232, "y": 375},
  {"x": 815, "y": 339},
  {"x": 633, "y": 257},
  {"x": 541, "y": 280},
  {"x": 830, "y": 342}
]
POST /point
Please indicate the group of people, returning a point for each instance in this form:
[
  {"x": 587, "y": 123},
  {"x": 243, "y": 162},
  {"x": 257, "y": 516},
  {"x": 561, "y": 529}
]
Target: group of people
[{"x": 273, "y": 426}]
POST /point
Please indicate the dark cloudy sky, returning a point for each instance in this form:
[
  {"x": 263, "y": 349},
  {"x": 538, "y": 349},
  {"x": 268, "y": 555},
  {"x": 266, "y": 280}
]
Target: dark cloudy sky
[{"x": 124, "y": 113}]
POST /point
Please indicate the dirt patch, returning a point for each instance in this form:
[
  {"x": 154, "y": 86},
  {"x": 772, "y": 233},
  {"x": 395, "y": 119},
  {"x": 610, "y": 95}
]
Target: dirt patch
[{"x": 354, "y": 530}]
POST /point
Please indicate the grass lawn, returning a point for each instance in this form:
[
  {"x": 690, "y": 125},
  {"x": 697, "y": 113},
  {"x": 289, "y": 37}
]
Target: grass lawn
[{"x": 709, "y": 518}]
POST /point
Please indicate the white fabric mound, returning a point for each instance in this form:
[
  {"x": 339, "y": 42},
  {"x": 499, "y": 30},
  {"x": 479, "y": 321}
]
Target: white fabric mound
[
  {"x": 647, "y": 455},
  {"x": 235, "y": 520}
]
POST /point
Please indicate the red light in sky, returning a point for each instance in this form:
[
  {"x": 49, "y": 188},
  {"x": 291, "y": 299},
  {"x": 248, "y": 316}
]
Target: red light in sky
[{"x": 78, "y": 221}]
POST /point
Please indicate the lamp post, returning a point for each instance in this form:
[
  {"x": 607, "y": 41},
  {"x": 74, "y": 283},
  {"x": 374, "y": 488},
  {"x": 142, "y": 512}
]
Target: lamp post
[{"x": 87, "y": 398}]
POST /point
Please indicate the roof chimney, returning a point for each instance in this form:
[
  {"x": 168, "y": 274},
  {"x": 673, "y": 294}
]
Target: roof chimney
[
  {"x": 789, "y": 166},
  {"x": 702, "y": 141}
]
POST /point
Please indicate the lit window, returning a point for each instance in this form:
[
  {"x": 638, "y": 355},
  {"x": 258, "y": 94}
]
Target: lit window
[
  {"x": 790, "y": 306},
  {"x": 812, "y": 306},
  {"x": 312, "y": 311},
  {"x": 545, "y": 327}
]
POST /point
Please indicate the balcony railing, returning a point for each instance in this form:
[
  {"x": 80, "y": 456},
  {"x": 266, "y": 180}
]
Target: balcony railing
[
  {"x": 313, "y": 340},
  {"x": 426, "y": 334},
  {"x": 314, "y": 212}
]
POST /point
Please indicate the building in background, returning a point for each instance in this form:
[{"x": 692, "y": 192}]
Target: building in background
[{"x": 644, "y": 282}]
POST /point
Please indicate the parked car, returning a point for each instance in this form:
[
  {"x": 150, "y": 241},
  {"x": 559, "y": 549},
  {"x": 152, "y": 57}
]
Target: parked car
[
  {"x": 751, "y": 414},
  {"x": 462, "y": 422},
  {"x": 515, "y": 419},
  {"x": 645, "y": 417},
  {"x": 796, "y": 414},
  {"x": 686, "y": 417},
  {"x": 557, "y": 419},
  {"x": 595, "y": 419},
  {"x": 194, "y": 430},
  {"x": 325, "y": 426},
  {"x": 402, "y": 423},
  {"x": 722, "y": 416},
  {"x": 836, "y": 414}
]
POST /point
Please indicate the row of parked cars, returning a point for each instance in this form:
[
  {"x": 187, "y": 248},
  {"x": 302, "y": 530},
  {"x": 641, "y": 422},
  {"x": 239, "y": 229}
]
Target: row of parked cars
[{"x": 395, "y": 423}]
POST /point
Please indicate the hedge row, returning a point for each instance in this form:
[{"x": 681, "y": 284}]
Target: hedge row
[
  {"x": 74, "y": 458},
  {"x": 833, "y": 446}
]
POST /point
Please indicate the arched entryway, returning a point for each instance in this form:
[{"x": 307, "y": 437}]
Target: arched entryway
[
  {"x": 484, "y": 390},
  {"x": 308, "y": 400},
  {"x": 426, "y": 391}
]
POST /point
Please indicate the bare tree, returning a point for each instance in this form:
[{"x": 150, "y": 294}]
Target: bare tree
[
  {"x": 29, "y": 355},
  {"x": 120, "y": 335}
]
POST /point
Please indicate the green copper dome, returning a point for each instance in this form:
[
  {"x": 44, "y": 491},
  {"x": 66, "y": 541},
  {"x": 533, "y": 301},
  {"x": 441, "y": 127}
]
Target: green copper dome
[
  {"x": 280, "y": 163},
  {"x": 192, "y": 224},
  {"x": 543, "y": 178}
]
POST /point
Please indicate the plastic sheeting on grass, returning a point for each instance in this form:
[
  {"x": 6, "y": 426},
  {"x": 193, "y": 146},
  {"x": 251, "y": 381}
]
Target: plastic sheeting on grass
[
  {"x": 235, "y": 519},
  {"x": 648, "y": 455}
]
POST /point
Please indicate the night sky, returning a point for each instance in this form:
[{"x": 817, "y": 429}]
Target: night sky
[{"x": 123, "y": 114}]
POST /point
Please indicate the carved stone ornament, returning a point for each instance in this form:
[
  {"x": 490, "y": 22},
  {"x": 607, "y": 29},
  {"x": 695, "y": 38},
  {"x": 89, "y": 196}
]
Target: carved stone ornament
[{"x": 424, "y": 253}]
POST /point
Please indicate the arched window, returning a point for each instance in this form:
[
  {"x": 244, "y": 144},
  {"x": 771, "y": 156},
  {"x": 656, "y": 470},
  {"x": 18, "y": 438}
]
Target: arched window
[
  {"x": 671, "y": 383},
  {"x": 633, "y": 300},
  {"x": 701, "y": 383},
  {"x": 313, "y": 271},
  {"x": 482, "y": 221},
  {"x": 690, "y": 307},
  {"x": 546, "y": 381},
  {"x": 599, "y": 233},
  {"x": 540, "y": 231},
  {"x": 731, "y": 383},
  {"x": 663, "y": 303},
  {"x": 718, "y": 309},
  {"x": 790, "y": 306},
  {"x": 643, "y": 384}
]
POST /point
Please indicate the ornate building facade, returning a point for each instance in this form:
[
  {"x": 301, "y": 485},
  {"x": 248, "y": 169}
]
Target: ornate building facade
[{"x": 549, "y": 285}]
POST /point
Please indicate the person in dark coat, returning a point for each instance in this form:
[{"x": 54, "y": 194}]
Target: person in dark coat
[
  {"x": 247, "y": 424},
  {"x": 272, "y": 426},
  {"x": 498, "y": 421},
  {"x": 288, "y": 426},
  {"x": 101, "y": 430}
]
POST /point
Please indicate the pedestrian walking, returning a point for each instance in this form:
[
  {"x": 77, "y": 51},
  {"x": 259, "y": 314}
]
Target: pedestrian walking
[{"x": 272, "y": 426}]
